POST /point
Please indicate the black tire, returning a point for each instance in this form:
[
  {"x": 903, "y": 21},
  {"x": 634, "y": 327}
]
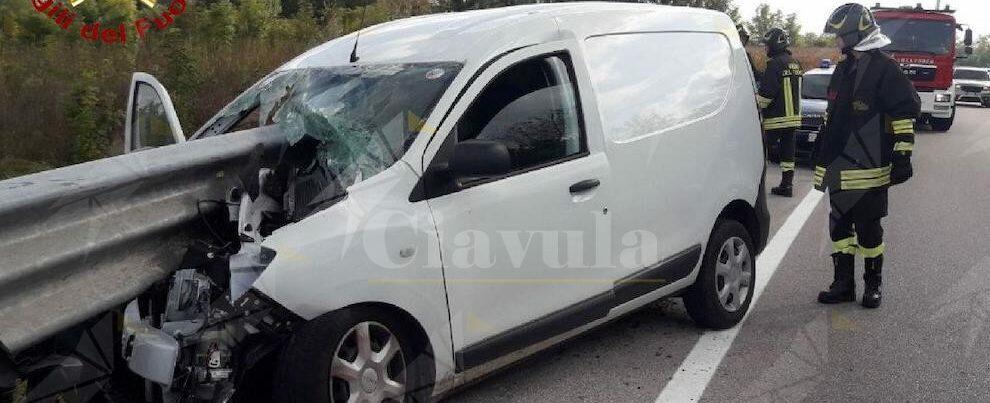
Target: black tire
[
  {"x": 985, "y": 102},
  {"x": 303, "y": 372},
  {"x": 701, "y": 299},
  {"x": 943, "y": 125}
]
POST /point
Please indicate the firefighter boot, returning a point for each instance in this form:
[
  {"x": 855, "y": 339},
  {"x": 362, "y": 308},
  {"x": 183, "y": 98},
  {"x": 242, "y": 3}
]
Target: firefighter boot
[
  {"x": 786, "y": 187},
  {"x": 872, "y": 276},
  {"x": 843, "y": 288}
]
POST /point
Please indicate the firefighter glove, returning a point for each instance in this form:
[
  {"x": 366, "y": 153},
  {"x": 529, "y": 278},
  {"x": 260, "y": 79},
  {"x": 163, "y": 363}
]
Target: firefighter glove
[{"x": 901, "y": 170}]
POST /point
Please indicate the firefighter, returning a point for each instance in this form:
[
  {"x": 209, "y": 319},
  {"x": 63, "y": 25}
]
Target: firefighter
[
  {"x": 864, "y": 148},
  {"x": 744, "y": 37},
  {"x": 780, "y": 98}
]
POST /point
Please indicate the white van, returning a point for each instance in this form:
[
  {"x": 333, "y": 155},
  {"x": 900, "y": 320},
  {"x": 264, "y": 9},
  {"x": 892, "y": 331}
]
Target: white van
[{"x": 459, "y": 191}]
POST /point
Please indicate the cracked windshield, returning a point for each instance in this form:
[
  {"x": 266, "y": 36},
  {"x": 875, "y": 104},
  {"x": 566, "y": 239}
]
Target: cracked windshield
[{"x": 357, "y": 120}]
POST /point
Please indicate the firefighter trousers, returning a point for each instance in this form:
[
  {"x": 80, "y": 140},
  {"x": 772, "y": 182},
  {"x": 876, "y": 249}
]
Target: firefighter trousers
[
  {"x": 784, "y": 138},
  {"x": 855, "y": 222}
]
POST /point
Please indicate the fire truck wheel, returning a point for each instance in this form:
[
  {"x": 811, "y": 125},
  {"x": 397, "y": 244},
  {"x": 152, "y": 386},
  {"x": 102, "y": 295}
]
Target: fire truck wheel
[{"x": 943, "y": 125}]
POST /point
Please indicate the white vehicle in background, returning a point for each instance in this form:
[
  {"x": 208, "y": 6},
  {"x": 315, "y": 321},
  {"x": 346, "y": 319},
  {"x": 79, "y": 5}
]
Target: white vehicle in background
[
  {"x": 457, "y": 192},
  {"x": 973, "y": 84},
  {"x": 814, "y": 103}
]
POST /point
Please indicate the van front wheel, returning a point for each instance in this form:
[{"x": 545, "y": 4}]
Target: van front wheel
[
  {"x": 723, "y": 291},
  {"x": 356, "y": 354}
]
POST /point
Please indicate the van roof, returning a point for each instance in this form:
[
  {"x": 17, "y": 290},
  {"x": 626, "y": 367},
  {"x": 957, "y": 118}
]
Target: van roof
[{"x": 471, "y": 36}]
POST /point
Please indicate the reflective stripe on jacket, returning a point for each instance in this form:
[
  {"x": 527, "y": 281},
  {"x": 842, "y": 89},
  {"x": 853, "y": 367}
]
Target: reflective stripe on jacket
[
  {"x": 780, "y": 93},
  {"x": 871, "y": 111}
]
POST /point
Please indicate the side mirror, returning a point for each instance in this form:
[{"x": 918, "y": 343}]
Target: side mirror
[
  {"x": 479, "y": 159},
  {"x": 968, "y": 42},
  {"x": 151, "y": 118}
]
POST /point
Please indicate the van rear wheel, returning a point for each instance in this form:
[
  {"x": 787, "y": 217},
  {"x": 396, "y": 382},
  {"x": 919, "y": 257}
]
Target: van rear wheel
[{"x": 722, "y": 294}]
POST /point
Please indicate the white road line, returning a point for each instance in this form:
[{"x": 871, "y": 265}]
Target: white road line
[{"x": 692, "y": 378}]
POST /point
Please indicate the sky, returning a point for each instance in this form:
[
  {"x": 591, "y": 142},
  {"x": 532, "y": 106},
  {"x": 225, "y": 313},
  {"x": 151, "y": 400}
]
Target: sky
[{"x": 812, "y": 14}]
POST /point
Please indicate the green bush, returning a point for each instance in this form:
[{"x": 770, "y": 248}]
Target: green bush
[{"x": 14, "y": 167}]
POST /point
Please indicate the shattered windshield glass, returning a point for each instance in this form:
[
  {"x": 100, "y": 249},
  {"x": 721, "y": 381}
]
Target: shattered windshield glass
[{"x": 359, "y": 119}]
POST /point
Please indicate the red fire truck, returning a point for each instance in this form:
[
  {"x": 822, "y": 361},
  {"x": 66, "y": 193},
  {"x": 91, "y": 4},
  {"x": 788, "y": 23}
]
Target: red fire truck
[{"x": 924, "y": 42}]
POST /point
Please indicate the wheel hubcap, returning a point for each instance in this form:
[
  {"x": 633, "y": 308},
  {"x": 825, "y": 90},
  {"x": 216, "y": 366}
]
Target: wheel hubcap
[
  {"x": 369, "y": 381},
  {"x": 368, "y": 366},
  {"x": 733, "y": 274}
]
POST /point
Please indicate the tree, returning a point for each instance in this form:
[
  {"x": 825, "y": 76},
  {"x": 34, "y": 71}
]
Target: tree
[
  {"x": 725, "y": 6},
  {"x": 222, "y": 26},
  {"x": 108, "y": 12},
  {"x": 814, "y": 40},
  {"x": 87, "y": 120},
  {"x": 254, "y": 17},
  {"x": 981, "y": 53},
  {"x": 792, "y": 27},
  {"x": 19, "y": 20},
  {"x": 462, "y": 5},
  {"x": 764, "y": 20}
]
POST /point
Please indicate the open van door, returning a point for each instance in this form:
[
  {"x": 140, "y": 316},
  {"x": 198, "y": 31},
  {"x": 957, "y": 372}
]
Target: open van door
[{"x": 151, "y": 118}]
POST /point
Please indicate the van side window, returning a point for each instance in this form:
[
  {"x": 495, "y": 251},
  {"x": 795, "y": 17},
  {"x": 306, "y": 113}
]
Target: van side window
[
  {"x": 532, "y": 108},
  {"x": 650, "y": 83},
  {"x": 150, "y": 127}
]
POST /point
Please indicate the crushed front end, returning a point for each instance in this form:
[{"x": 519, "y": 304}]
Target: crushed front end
[{"x": 200, "y": 334}]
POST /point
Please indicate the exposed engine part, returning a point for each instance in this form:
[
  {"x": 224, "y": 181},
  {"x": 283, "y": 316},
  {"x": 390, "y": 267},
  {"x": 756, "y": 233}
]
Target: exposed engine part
[
  {"x": 151, "y": 353},
  {"x": 252, "y": 212},
  {"x": 246, "y": 266},
  {"x": 188, "y": 303},
  {"x": 210, "y": 326}
]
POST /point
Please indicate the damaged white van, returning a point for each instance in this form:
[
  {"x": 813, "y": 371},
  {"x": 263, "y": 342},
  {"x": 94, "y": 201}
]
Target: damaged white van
[{"x": 437, "y": 197}]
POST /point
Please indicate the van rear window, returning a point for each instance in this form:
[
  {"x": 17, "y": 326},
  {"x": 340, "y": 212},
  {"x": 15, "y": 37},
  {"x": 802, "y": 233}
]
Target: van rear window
[{"x": 650, "y": 83}]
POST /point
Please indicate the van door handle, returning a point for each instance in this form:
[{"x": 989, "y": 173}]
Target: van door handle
[{"x": 585, "y": 185}]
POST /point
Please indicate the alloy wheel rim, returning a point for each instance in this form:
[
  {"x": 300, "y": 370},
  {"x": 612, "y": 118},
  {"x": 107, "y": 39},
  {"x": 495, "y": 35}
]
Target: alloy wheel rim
[
  {"x": 368, "y": 366},
  {"x": 733, "y": 274}
]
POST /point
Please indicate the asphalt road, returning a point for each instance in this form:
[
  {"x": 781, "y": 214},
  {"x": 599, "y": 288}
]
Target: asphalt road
[{"x": 930, "y": 340}]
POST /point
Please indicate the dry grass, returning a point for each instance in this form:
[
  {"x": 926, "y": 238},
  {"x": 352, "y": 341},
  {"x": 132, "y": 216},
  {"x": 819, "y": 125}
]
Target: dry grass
[{"x": 808, "y": 57}]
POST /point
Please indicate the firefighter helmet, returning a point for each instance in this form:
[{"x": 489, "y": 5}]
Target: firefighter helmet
[
  {"x": 777, "y": 40},
  {"x": 852, "y": 23}
]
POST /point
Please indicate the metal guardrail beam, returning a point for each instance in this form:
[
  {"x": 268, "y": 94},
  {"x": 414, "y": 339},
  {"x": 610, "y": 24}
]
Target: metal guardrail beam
[{"x": 80, "y": 240}]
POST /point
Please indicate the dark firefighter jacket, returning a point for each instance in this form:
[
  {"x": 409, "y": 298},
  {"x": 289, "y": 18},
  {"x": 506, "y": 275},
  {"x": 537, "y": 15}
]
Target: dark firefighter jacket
[
  {"x": 780, "y": 93},
  {"x": 871, "y": 111}
]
